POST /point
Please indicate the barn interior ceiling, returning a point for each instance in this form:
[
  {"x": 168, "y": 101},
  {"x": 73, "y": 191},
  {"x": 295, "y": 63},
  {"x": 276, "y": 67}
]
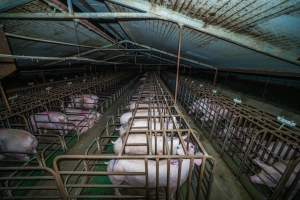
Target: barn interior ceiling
[{"x": 235, "y": 35}]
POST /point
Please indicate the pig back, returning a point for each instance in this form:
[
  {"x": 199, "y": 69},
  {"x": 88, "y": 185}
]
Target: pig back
[{"x": 16, "y": 140}]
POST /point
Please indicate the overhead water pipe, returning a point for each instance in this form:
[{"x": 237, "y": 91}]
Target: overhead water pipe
[{"x": 54, "y": 58}]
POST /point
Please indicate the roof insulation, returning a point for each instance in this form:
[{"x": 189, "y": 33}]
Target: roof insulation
[{"x": 259, "y": 35}]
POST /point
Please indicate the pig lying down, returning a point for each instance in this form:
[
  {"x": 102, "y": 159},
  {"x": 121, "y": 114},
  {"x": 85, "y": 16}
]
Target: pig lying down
[
  {"x": 276, "y": 150},
  {"x": 125, "y": 117},
  {"x": 74, "y": 119},
  {"x": 154, "y": 124},
  {"x": 208, "y": 110},
  {"x": 19, "y": 142},
  {"x": 85, "y": 101},
  {"x": 128, "y": 166},
  {"x": 133, "y": 105},
  {"x": 81, "y": 120},
  {"x": 142, "y": 138},
  {"x": 270, "y": 175},
  {"x": 90, "y": 114},
  {"x": 55, "y": 121}
]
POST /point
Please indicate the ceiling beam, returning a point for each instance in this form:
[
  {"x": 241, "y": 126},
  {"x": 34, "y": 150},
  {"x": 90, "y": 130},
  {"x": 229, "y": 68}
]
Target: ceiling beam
[
  {"x": 23, "y": 37},
  {"x": 63, "y": 8},
  {"x": 83, "y": 53},
  {"x": 170, "y": 54},
  {"x": 72, "y": 58},
  {"x": 9, "y": 4},
  {"x": 200, "y": 64},
  {"x": 84, "y": 15},
  {"x": 213, "y": 30},
  {"x": 84, "y": 6}
]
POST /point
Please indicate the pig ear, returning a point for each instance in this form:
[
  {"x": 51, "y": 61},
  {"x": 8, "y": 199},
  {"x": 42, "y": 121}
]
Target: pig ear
[
  {"x": 198, "y": 162},
  {"x": 184, "y": 137}
]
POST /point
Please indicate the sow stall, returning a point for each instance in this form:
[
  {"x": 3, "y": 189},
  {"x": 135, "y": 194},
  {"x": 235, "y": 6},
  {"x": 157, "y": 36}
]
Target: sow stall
[
  {"x": 21, "y": 179},
  {"x": 262, "y": 149},
  {"x": 164, "y": 174}
]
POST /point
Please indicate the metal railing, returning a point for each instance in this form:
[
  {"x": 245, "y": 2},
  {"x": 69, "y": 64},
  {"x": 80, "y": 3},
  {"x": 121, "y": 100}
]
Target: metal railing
[
  {"x": 33, "y": 179},
  {"x": 88, "y": 176},
  {"x": 261, "y": 150}
]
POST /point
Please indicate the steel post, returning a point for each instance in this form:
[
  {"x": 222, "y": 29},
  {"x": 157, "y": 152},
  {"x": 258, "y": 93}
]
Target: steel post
[{"x": 178, "y": 60}]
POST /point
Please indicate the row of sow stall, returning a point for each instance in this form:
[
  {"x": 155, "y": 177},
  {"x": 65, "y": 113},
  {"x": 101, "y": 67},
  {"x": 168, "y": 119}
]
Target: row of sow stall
[
  {"x": 262, "y": 149},
  {"x": 44, "y": 122},
  {"x": 146, "y": 151}
]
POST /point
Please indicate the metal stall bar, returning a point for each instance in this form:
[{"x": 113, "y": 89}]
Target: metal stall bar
[
  {"x": 178, "y": 61},
  {"x": 151, "y": 97},
  {"x": 250, "y": 140}
]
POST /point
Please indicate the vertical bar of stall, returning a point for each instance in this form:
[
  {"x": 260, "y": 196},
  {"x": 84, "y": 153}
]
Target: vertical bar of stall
[
  {"x": 215, "y": 77},
  {"x": 178, "y": 60},
  {"x": 4, "y": 97}
]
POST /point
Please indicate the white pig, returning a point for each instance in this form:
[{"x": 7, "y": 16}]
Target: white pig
[
  {"x": 128, "y": 166},
  {"x": 19, "y": 142},
  {"x": 142, "y": 138},
  {"x": 208, "y": 109},
  {"x": 54, "y": 121},
  {"x": 90, "y": 114},
  {"x": 270, "y": 175},
  {"x": 154, "y": 124},
  {"x": 81, "y": 120},
  {"x": 86, "y": 101},
  {"x": 134, "y": 105},
  {"x": 125, "y": 117},
  {"x": 281, "y": 152}
]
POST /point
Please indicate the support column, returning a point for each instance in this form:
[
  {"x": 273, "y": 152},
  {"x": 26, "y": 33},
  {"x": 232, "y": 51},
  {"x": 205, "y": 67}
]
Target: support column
[
  {"x": 215, "y": 78},
  {"x": 7, "y": 65},
  {"x": 178, "y": 60},
  {"x": 3, "y": 95},
  {"x": 70, "y": 6}
]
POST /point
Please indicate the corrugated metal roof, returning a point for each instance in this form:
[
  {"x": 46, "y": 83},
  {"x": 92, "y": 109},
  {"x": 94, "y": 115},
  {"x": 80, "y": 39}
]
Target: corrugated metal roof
[{"x": 274, "y": 21}]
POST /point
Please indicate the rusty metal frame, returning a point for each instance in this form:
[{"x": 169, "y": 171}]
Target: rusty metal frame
[
  {"x": 14, "y": 182},
  {"x": 85, "y": 165},
  {"x": 242, "y": 135},
  {"x": 38, "y": 162}
]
